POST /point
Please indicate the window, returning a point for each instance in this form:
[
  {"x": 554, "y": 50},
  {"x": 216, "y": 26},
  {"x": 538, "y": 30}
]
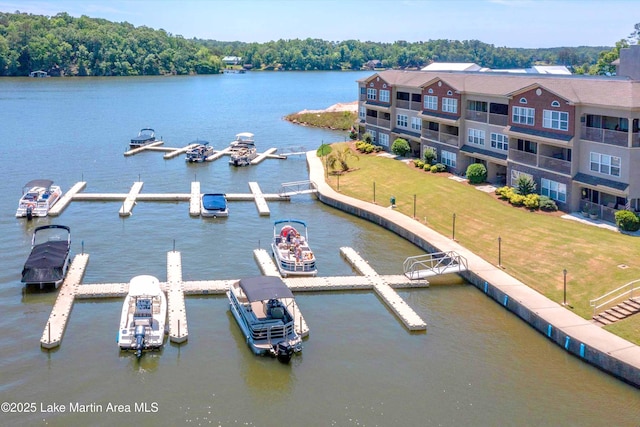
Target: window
[
  {"x": 402, "y": 120},
  {"x": 383, "y": 140},
  {"x": 527, "y": 146},
  {"x": 362, "y": 112},
  {"x": 476, "y": 136},
  {"x": 523, "y": 100},
  {"x": 450, "y": 105},
  {"x": 363, "y": 90},
  {"x": 523, "y": 115},
  {"x": 603, "y": 163},
  {"x": 371, "y": 94},
  {"x": 416, "y": 123},
  {"x": 499, "y": 141},
  {"x": 448, "y": 158},
  {"x": 402, "y": 96},
  {"x": 555, "y": 119},
  {"x": 384, "y": 95},
  {"x": 515, "y": 174},
  {"x": 477, "y": 106},
  {"x": 431, "y": 102},
  {"x": 554, "y": 190},
  {"x": 555, "y": 104},
  {"x": 416, "y": 97},
  {"x": 373, "y": 135}
]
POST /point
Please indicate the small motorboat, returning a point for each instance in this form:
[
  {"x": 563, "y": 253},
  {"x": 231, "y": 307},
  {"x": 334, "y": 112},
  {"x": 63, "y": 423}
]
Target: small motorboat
[
  {"x": 199, "y": 153},
  {"x": 291, "y": 249},
  {"x": 143, "y": 317},
  {"x": 37, "y": 198},
  {"x": 145, "y": 137},
  {"x": 49, "y": 258},
  {"x": 214, "y": 205},
  {"x": 243, "y": 150},
  {"x": 263, "y": 306}
]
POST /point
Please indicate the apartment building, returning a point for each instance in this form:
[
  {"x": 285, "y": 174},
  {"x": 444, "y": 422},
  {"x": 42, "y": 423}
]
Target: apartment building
[{"x": 577, "y": 136}]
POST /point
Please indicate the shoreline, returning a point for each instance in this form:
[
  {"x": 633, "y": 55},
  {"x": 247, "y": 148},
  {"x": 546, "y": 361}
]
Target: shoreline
[{"x": 604, "y": 350}]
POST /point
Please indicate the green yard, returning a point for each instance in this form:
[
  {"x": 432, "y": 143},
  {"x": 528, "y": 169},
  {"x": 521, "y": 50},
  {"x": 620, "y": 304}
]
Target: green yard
[{"x": 535, "y": 247}]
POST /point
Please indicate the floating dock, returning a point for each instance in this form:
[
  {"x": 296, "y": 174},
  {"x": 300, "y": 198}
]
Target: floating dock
[
  {"x": 72, "y": 289},
  {"x": 135, "y": 195}
]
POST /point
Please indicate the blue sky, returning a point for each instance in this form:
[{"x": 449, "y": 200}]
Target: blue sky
[{"x": 511, "y": 23}]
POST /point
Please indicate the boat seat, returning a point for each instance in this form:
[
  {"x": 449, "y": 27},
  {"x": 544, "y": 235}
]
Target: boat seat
[{"x": 277, "y": 312}]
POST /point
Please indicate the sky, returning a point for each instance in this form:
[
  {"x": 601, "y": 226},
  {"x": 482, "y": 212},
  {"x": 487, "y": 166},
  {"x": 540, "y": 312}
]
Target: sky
[{"x": 509, "y": 23}]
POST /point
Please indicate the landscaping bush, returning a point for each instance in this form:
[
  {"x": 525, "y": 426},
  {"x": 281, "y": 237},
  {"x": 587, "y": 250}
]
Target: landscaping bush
[
  {"x": 433, "y": 169},
  {"x": 517, "y": 199},
  {"x": 503, "y": 192},
  {"x": 627, "y": 220},
  {"x": 440, "y": 167},
  {"x": 366, "y": 137},
  {"x": 525, "y": 185},
  {"x": 418, "y": 163},
  {"x": 400, "y": 147},
  {"x": 547, "y": 204},
  {"x": 532, "y": 201},
  {"x": 430, "y": 155},
  {"x": 476, "y": 173}
]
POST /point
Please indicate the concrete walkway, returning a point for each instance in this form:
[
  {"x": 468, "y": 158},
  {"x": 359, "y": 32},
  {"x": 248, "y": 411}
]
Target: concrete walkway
[{"x": 578, "y": 336}]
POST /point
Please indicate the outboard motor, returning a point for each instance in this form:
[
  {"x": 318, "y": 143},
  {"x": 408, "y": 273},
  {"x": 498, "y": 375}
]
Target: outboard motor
[
  {"x": 139, "y": 334},
  {"x": 285, "y": 351},
  {"x": 29, "y": 213}
]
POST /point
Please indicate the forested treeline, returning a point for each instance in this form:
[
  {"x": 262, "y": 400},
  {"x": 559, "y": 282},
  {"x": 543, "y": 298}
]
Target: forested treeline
[{"x": 64, "y": 45}]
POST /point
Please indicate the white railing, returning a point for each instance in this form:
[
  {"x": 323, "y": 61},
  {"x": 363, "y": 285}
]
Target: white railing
[
  {"x": 298, "y": 187},
  {"x": 616, "y": 295},
  {"x": 434, "y": 263}
]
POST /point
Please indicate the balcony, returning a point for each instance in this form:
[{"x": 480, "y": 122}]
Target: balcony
[
  {"x": 445, "y": 138},
  {"x": 430, "y": 134},
  {"x": 375, "y": 121},
  {"x": 476, "y": 116},
  {"x": 523, "y": 157},
  {"x": 554, "y": 164},
  {"x": 608, "y": 136},
  {"x": 498, "y": 119},
  {"x": 409, "y": 105}
]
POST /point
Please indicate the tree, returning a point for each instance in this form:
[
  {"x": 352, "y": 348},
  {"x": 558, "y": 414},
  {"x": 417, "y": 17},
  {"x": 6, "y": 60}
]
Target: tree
[{"x": 339, "y": 159}]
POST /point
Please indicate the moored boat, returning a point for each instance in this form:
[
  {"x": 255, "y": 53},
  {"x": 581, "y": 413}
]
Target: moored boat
[
  {"x": 48, "y": 261},
  {"x": 199, "y": 153},
  {"x": 143, "y": 318},
  {"x": 37, "y": 198},
  {"x": 263, "y": 306},
  {"x": 291, "y": 249},
  {"x": 243, "y": 149},
  {"x": 145, "y": 136},
  {"x": 214, "y": 205}
]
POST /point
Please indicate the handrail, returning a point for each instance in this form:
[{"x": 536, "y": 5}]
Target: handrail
[
  {"x": 594, "y": 302},
  {"x": 437, "y": 262}
]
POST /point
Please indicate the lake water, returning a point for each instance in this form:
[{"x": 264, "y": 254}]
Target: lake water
[{"x": 477, "y": 364}]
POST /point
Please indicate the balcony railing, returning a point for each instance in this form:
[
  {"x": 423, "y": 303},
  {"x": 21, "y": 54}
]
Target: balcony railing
[
  {"x": 476, "y": 116},
  {"x": 498, "y": 119},
  {"x": 430, "y": 134},
  {"x": 403, "y": 104},
  {"x": 554, "y": 164},
  {"x": 608, "y": 136},
  {"x": 378, "y": 122},
  {"x": 523, "y": 157},
  {"x": 448, "y": 139}
]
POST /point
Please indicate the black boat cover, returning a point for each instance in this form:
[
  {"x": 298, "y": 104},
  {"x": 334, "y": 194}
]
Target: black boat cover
[
  {"x": 46, "y": 263},
  {"x": 262, "y": 288}
]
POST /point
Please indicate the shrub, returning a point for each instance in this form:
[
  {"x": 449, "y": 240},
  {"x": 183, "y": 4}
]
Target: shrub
[
  {"x": 547, "y": 204},
  {"x": 400, "y": 147},
  {"x": 418, "y": 163},
  {"x": 377, "y": 148},
  {"x": 433, "y": 169},
  {"x": 532, "y": 201},
  {"x": 366, "y": 137},
  {"x": 517, "y": 199},
  {"x": 440, "y": 167},
  {"x": 627, "y": 220},
  {"x": 525, "y": 185},
  {"x": 503, "y": 192},
  {"x": 353, "y": 135},
  {"x": 427, "y": 167},
  {"x": 476, "y": 173},
  {"x": 430, "y": 155}
]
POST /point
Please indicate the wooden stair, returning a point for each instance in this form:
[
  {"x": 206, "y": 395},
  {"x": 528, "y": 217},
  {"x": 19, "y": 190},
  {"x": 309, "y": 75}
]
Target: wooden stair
[{"x": 621, "y": 311}]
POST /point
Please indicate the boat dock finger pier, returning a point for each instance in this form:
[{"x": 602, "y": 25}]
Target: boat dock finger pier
[
  {"x": 72, "y": 290},
  {"x": 171, "y": 152},
  {"x": 135, "y": 195}
]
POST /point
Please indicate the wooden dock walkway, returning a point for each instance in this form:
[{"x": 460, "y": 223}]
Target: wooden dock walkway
[
  {"x": 143, "y": 148},
  {"x": 61, "y": 204},
  {"x": 176, "y": 288},
  {"x": 409, "y": 317},
  {"x": 262, "y": 156},
  {"x": 178, "y": 331},
  {"x": 53, "y": 331},
  {"x": 261, "y": 203},
  {"x": 130, "y": 200}
]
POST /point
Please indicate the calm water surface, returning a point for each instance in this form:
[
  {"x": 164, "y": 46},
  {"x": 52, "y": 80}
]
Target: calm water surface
[{"x": 477, "y": 364}]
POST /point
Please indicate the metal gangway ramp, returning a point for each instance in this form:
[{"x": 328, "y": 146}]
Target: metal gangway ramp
[
  {"x": 289, "y": 189},
  {"x": 423, "y": 266}
]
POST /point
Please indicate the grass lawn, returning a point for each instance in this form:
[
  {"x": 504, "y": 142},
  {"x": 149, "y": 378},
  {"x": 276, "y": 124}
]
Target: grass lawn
[{"x": 535, "y": 247}]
